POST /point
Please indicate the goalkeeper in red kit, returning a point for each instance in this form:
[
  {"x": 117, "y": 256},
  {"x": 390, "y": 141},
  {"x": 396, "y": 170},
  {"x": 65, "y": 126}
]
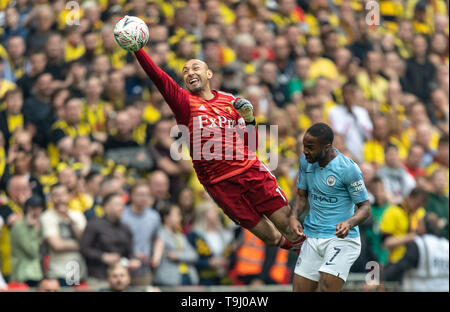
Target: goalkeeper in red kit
[{"x": 244, "y": 188}]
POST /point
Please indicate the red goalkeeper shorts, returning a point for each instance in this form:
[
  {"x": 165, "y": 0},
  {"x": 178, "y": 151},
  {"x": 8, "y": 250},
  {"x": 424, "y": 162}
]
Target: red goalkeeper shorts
[{"x": 246, "y": 197}]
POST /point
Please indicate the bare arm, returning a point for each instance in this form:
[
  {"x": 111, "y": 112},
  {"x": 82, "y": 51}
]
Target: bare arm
[
  {"x": 391, "y": 241},
  {"x": 296, "y": 210},
  {"x": 361, "y": 214},
  {"x": 76, "y": 229},
  {"x": 59, "y": 245},
  {"x": 300, "y": 203},
  {"x": 157, "y": 252}
]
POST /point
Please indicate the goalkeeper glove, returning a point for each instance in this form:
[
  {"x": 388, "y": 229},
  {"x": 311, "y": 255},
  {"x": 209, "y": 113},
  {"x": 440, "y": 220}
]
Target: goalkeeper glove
[{"x": 245, "y": 109}]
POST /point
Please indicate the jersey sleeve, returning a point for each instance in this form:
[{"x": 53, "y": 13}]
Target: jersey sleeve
[
  {"x": 176, "y": 97},
  {"x": 301, "y": 180},
  {"x": 354, "y": 182}
]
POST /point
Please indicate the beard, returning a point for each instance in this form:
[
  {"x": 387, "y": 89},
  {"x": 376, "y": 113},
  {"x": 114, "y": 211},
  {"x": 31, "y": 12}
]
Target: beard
[{"x": 195, "y": 89}]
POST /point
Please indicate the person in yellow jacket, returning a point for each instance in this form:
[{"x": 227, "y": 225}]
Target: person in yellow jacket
[{"x": 399, "y": 223}]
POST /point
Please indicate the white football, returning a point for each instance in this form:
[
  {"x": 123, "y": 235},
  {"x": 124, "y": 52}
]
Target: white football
[{"x": 131, "y": 33}]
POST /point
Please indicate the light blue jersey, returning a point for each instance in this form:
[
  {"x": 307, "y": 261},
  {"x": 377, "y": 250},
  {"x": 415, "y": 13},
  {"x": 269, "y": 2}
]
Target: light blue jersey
[{"x": 333, "y": 192}]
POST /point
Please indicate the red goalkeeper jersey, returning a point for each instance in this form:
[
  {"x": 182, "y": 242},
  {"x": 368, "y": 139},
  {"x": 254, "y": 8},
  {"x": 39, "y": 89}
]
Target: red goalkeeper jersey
[{"x": 218, "y": 138}]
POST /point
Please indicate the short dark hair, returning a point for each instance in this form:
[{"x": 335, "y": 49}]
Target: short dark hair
[
  {"x": 389, "y": 145},
  {"x": 109, "y": 197},
  {"x": 349, "y": 83},
  {"x": 34, "y": 202},
  {"x": 418, "y": 192},
  {"x": 56, "y": 185},
  {"x": 70, "y": 98},
  {"x": 11, "y": 92},
  {"x": 431, "y": 224},
  {"x": 91, "y": 175},
  {"x": 376, "y": 179},
  {"x": 139, "y": 183},
  {"x": 165, "y": 210},
  {"x": 322, "y": 132},
  {"x": 443, "y": 140}
]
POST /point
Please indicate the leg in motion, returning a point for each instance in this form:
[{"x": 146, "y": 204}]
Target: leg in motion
[
  {"x": 330, "y": 283},
  {"x": 303, "y": 284}
]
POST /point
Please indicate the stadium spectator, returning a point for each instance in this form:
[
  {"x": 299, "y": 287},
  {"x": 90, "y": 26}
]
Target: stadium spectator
[
  {"x": 18, "y": 190},
  {"x": 440, "y": 110},
  {"x": 15, "y": 68},
  {"x": 107, "y": 186},
  {"x": 186, "y": 202},
  {"x": 297, "y": 83},
  {"x": 373, "y": 232},
  {"x": 398, "y": 223},
  {"x": 144, "y": 223},
  {"x": 213, "y": 243},
  {"x": 425, "y": 137},
  {"x": 441, "y": 159},
  {"x": 160, "y": 148},
  {"x": 373, "y": 150},
  {"x": 41, "y": 170},
  {"x": 420, "y": 72},
  {"x": 78, "y": 200},
  {"x": 43, "y": 20},
  {"x": 370, "y": 80},
  {"x": 107, "y": 241},
  {"x": 260, "y": 264},
  {"x": 424, "y": 264},
  {"x": 5, "y": 83},
  {"x": 12, "y": 118},
  {"x": 118, "y": 279},
  {"x": 21, "y": 166},
  {"x": 320, "y": 66},
  {"x": 351, "y": 121},
  {"x": 115, "y": 90},
  {"x": 124, "y": 133},
  {"x": 48, "y": 285},
  {"x": 54, "y": 49},
  {"x": 25, "y": 244},
  {"x": 362, "y": 43},
  {"x": 62, "y": 229},
  {"x": 38, "y": 63},
  {"x": 71, "y": 124},
  {"x": 159, "y": 187},
  {"x": 437, "y": 201},
  {"x": 413, "y": 162},
  {"x": 95, "y": 111},
  {"x": 397, "y": 181},
  {"x": 13, "y": 26},
  {"x": 268, "y": 74},
  {"x": 37, "y": 109},
  {"x": 177, "y": 265}
]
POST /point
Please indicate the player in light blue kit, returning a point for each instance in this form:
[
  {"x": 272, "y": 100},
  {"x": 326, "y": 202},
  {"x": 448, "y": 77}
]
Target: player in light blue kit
[{"x": 333, "y": 186}]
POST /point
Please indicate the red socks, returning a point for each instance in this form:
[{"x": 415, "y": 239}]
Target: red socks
[{"x": 294, "y": 246}]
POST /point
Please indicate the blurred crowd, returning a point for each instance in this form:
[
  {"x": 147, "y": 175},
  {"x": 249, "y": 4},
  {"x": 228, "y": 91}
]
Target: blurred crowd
[{"x": 89, "y": 192}]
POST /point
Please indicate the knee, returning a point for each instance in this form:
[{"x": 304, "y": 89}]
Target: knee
[
  {"x": 323, "y": 286},
  {"x": 272, "y": 240}
]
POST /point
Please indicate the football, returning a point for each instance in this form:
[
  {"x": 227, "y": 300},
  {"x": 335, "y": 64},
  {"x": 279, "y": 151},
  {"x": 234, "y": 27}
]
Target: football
[{"x": 131, "y": 33}]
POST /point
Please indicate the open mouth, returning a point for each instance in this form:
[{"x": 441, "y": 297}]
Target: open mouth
[{"x": 194, "y": 82}]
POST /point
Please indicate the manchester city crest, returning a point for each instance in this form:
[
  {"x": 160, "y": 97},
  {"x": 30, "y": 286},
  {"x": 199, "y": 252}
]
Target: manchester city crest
[{"x": 331, "y": 180}]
